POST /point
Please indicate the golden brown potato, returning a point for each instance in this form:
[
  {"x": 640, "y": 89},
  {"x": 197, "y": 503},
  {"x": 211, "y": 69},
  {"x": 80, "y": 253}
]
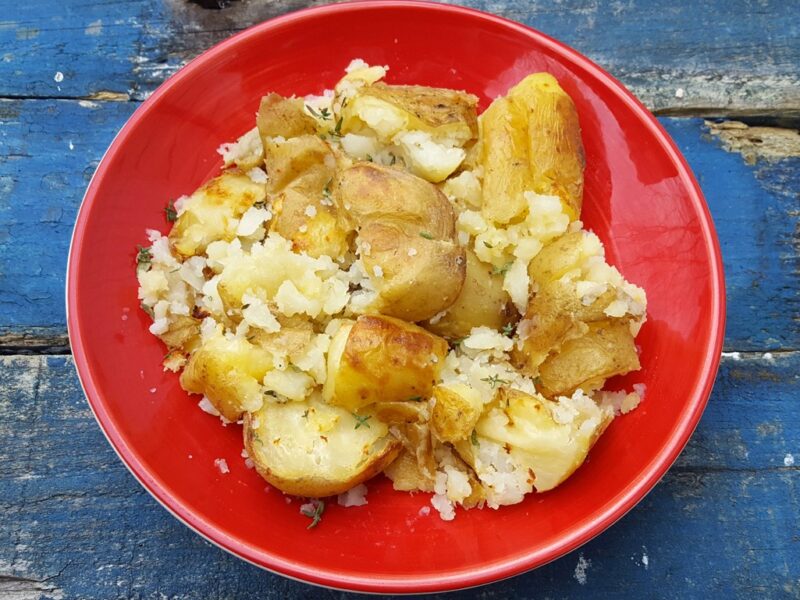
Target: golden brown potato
[
  {"x": 506, "y": 162},
  {"x": 381, "y": 359},
  {"x": 482, "y": 302},
  {"x": 305, "y": 163},
  {"x": 531, "y": 142},
  {"x": 439, "y": 111},
  {"x": 183, "y": 333},
  {"x": 228, "y": 373},
  {"x": 554, "y": 137},
  {"x": 555, "y": 315},
  {"x": 313, "y": 449},
  {"x": 212, "y": 213},
  {"x": 311, "y": 225},
  {"x": 522, "y": 431},
  {"x": 456, "y": 410},
  {"x": 557, "y": 258},
  {"x": 283, "y": 117},
  {"x": 407, "y": 235},
  {"x": 406, "y": 476},
  {"x": 607, "y": 349}
]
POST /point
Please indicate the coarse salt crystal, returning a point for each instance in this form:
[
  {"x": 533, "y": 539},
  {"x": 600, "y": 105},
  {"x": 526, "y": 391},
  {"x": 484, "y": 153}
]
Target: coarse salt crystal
[
  {"x": 412, "y": 251},
  {"x": 311, "y": 211},
  {"x": 377, "y": 270},
  {"x": 222, "y": 465}
]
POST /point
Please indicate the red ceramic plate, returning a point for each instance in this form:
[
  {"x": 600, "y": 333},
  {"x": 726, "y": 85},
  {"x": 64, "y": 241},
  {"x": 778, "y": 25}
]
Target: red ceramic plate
[{"x": 641, "y": 199}]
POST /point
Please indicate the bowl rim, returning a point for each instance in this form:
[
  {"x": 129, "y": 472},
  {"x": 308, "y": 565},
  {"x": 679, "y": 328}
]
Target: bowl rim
[{"x": 626, "y": 500}]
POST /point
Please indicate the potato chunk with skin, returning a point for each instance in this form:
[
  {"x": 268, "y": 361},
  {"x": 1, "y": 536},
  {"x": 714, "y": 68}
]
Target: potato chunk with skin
[
  {"x": 531, "y": 142},
  {"x": 212, "y": 213},
  {"x": 313, "y": 449},
  {"x": 482, "y": 302},
  {"x": 455, "y": 412},
  {"x": 283, "y": 117},
  {"x": 381, "y": 359},
  {"x": 440, "y": 111},
  {"x": 607, "y": 349},
  {"x": 312, "y": 226},
  {"x": 526, "y": 441},
  {"x": 228, "y": 373},
  {"x": 407, "y": 234}
]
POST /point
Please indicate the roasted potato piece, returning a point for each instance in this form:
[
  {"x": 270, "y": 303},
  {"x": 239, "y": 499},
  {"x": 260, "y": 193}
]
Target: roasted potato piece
[
  {"x": 183, "y": 333},
  {"x": 213, "y": 212},
  {"x": 531, "y": 142},
  {"x": 408, "y": 226},
  {"x": 456, "y": 410},
  {"x": 482, "y": 302},
  {"x": 427, "y": 125},
  {"x": 554, "y": 139},
  {"x": 555, "y": 315},
  {"x": 228, "y": 373},
  {"x": 406, "y": 475},
  {"x": 311, "y": 225},
  {"x": 283, "y": 117},
  {"x": 607, "y": 349},
  {"x": 526, "y": 441},
  {"x": 306, "y": 163},
  {"x": 505, "y": 160},
  {"x": 558, "y": 258},
  {"x": 388, "y": 109},
  {"x": 313, "y": 449},
  {"x": 381, "y": 359}
]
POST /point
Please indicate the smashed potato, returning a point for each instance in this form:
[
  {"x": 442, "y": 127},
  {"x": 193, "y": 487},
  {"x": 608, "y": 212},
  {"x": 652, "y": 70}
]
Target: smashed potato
[
  {"x": 381, "y": 359},
  {"x": 313, "y": 449},
  {"x": 381, "y": 281}
]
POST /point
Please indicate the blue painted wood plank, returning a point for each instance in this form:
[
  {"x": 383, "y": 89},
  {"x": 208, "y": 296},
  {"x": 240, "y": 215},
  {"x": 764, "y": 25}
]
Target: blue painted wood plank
[
  {"x": 734, "y": 56},
  {"x": 42, "y": 181},
  {"x": 723, "y": 522},
  {"x": 48, "y": 153}
]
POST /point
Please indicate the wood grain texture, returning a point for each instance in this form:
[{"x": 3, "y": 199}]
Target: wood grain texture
[
  {"x": 735, "y": 57},
  {"x": 75, "y": 524},
  {"x": 50, "y": 148}
]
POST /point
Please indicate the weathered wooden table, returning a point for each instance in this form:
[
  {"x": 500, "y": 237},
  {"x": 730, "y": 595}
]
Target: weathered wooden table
[{"x": 725, "y": 521}]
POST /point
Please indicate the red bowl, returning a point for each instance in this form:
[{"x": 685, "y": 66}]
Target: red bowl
[{"x": 641, "y": 199}]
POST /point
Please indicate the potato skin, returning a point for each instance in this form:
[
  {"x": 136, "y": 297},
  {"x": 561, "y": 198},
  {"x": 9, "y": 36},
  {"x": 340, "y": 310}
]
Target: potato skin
[
  {"x": 315, "y": 235},
  {"x": 213, "y": 211},
  {"x": 280, "y": 438},
  {"x": 439, "y": 111},
  {"x": 607, "y": 349},
  {"x": 455, "y": 412},
  {"x": 531, "y": 141},
  {"x": 409, "y": 227},
  {"x": 482, "y": 302},
  {"x": 506, "y": 161},
  {"x": 556, "y": 153},
  {"x": 228, "y": 373},
  {"x": 382, "y": 359},
  {"x": 283, "y": 117}
]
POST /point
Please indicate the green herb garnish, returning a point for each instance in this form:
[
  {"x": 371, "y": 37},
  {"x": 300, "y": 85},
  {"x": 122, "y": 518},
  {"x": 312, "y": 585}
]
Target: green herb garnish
[
  {"x": 362, "y": 420},
  {"x": 495, "y": 380},
  {"x": 509, "y": 329},
  {"x": 369, "y": 157},
  {"x": 487, "y": 244},
  {"x": 144, "y": 257},
  {"x": 314, "y": 514},
  {"x": 474, "y": 438},
  {"x": 323, "y": 113},
  {"x": 170, "y": 212},
  {"x": 502, "y": 270},
  {"x": 426, "y": 235},
  {"x": 414, "y": 399},
  {"x": 326, "y": 191},
  {"x": 337, "y": 131},
  {"x": 394, "y": 159}
]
